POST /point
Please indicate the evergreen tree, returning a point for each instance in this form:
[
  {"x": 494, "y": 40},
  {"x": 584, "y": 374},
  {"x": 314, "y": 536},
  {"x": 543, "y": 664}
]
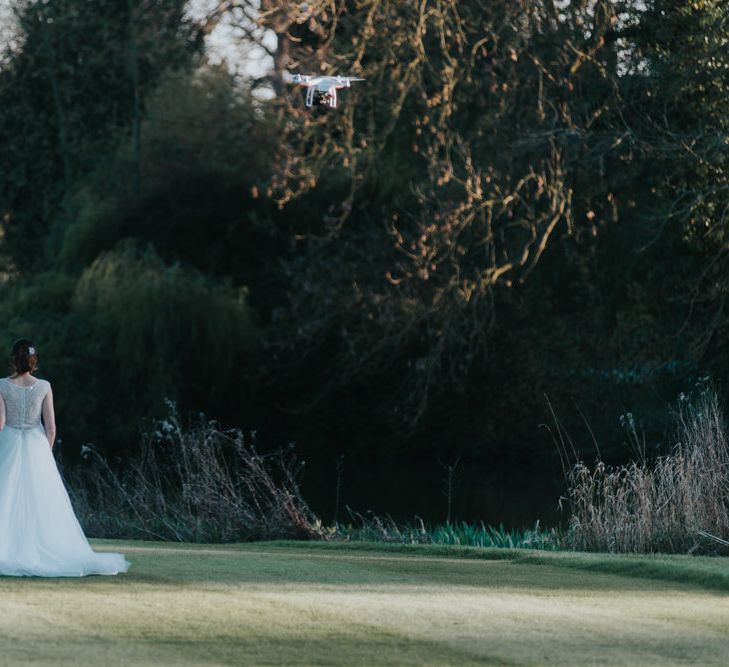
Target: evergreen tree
[
  {"x": 73, "y": 81},
  {"x": 678, "y": 117}
]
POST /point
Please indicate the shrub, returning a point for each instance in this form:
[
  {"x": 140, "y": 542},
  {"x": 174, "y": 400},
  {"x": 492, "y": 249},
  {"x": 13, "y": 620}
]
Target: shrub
[
  {"x": 156, "y": 330},
  {"x": 196, "y": 483}
]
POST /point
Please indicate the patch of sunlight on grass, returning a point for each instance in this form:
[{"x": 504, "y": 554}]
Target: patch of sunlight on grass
[{"x": 304, "y": 603}]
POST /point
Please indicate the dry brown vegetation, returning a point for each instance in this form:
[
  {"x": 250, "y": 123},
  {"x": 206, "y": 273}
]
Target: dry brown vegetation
[
  {"x": 677, "y": 503},
  {"x": 197, "y": 483}
]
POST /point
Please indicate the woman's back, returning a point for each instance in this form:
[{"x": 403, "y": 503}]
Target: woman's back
[
  {"x": 23, "y": 404},
  {"x": 40, "y": 535}
]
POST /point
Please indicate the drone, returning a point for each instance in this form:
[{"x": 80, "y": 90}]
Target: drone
[{"x": 322, "y": 90}]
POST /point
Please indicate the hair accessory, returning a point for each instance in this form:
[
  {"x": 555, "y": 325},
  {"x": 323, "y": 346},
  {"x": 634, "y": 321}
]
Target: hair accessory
[{"x": 31, "y": 350}]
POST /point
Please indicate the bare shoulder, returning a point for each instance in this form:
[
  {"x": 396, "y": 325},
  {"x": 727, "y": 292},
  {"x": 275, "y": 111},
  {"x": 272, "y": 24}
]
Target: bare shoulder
[{"x": 45, "y": 385}]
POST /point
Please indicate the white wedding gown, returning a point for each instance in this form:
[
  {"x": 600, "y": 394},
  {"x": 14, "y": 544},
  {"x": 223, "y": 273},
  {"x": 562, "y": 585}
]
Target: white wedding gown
[{"x": 39, "y": 533}]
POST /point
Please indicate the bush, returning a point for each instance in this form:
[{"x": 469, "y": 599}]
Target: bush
[
  {"x": 196, "y": 483},
  {"x": 156, "y": 330}
]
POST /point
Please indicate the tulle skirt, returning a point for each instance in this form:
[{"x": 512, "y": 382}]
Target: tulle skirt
[{"x": 39, "y": 533}]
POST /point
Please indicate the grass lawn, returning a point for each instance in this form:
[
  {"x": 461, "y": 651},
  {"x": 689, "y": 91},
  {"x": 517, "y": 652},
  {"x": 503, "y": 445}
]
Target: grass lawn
[{"x": 302, "y": 604}]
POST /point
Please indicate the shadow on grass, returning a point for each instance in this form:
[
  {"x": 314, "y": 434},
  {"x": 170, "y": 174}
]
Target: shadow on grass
[
  {"x": 373, "y": 565},
  {"x": 298, "y": 650}
]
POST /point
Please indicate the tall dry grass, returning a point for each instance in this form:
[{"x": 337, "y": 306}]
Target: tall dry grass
[
  {"x": 198, "y": 482},
  {"x": 678, "y": 503}
]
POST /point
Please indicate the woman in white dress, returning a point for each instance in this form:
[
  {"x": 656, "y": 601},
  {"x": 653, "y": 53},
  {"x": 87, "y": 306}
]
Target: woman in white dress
[{"x": 39, "y": 533}]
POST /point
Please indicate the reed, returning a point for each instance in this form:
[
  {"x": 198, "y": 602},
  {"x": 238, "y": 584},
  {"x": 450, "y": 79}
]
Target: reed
[{"x": 677, "y": 503}]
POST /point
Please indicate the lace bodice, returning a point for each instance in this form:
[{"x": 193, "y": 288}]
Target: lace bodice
[{"x": 23, "y": 405}]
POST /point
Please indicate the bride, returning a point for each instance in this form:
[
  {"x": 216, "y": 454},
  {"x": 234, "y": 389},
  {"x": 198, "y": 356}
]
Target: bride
[{"x": 39, "y": 533}]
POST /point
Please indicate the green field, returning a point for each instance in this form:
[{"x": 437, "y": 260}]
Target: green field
[{"x": 303, "y": 603}]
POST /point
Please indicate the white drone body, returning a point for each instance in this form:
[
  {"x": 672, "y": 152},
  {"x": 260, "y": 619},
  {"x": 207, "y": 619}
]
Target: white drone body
[{"x": 322, "y": 89}]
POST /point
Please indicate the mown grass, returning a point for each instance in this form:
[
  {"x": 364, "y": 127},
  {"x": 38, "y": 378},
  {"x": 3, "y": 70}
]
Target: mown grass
[
  {"x": 707, "y": 572},
  {"x": 323, "y": 603}
]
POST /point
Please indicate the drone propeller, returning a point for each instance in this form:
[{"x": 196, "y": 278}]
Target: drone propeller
[{"x": 295, "y": 78}]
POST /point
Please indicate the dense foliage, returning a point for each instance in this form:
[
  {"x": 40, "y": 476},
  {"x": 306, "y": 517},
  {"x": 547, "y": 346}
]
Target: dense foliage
[{"x": 523, "y": 198}]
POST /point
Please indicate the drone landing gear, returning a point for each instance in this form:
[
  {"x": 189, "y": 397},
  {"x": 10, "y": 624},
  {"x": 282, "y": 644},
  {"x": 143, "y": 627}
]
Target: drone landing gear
[{"x": 319, "y": 98}]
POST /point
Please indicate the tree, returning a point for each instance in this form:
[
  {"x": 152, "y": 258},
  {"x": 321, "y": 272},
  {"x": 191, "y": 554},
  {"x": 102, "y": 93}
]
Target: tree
[
  {"x": 680, "y": 83},
  {"x": 470, "y": 146},
  {"x": 71, "y": 84}
]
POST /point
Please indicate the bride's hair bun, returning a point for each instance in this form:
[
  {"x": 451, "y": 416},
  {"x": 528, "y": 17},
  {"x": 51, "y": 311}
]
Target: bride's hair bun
[{"x": 23, "y": 357}]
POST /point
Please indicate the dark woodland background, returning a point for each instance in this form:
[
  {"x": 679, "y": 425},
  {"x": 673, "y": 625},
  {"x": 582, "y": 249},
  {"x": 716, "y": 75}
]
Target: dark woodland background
[{"x": 525, "y": 204}]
